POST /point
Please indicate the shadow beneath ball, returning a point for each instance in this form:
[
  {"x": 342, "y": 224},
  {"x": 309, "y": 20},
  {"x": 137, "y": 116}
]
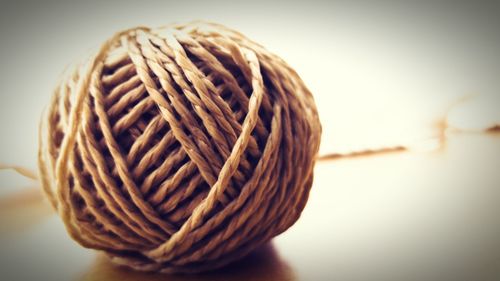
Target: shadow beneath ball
[{"x": 262, "y": 264}]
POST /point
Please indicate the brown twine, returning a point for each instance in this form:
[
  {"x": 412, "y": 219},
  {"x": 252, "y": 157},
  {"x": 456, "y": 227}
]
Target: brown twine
[
  {"x": 24, "y": 171},
  {"x": 147, "y": 153},
  {"x": 179, "y": 149}
]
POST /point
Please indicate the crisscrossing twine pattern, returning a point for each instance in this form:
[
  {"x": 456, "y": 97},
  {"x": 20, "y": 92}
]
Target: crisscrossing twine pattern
[{"x": 179, "y": 149}]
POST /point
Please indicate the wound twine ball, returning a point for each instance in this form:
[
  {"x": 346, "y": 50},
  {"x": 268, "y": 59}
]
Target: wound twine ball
[{"x": 179, "y": 149}]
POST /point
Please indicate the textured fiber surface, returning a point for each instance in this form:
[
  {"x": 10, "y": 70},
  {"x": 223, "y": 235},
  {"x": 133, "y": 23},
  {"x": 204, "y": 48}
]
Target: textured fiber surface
[{"x": 179, "y": 149}]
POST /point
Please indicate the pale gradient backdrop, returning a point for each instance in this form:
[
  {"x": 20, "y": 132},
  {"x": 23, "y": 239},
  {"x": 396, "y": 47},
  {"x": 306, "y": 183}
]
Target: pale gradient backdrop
[{"x": 381, "y": 72}]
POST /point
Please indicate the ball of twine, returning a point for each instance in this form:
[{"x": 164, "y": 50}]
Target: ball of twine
[{"x": 179, "y": 149}]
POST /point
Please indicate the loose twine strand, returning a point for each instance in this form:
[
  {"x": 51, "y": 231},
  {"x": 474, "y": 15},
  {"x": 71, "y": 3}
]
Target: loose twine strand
[{"x": 23, "y": 171}]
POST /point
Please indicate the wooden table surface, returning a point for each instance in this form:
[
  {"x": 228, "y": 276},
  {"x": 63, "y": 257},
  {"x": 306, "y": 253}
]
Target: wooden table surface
[{"x": 399, "y": 216}]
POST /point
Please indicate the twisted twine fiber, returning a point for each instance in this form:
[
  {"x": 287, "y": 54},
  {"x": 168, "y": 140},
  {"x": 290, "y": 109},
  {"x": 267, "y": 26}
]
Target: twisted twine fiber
[{"x": 179, "y": 149}]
